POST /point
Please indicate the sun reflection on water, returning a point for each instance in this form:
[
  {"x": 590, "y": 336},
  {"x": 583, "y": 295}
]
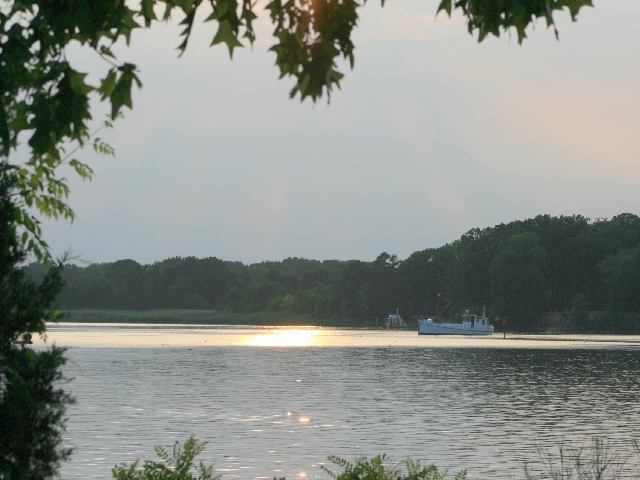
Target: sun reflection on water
[{"x": 282, "y": 338}]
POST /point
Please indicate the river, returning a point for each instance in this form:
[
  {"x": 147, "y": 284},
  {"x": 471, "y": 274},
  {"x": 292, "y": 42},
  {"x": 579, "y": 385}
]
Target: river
[{"x": 278, "y": 401}]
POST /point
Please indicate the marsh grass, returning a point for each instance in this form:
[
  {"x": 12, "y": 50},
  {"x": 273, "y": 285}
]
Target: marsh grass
[{"x": 594, "y": 461}]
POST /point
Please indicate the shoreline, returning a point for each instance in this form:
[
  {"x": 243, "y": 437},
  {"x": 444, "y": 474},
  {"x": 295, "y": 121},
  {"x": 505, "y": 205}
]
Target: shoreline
[
  {"x": 209, "y": 317},
  {"x": 268, "y": 318}
]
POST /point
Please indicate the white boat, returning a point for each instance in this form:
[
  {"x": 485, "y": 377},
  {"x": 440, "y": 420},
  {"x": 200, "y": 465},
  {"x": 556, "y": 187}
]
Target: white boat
[
  {"x": 471, "y": 325},
  {"x": 395, "y": 321}
]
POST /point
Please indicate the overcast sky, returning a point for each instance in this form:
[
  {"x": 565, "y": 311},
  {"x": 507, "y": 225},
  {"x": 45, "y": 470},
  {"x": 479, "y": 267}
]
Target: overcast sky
[{"x": 431, "y": 135}]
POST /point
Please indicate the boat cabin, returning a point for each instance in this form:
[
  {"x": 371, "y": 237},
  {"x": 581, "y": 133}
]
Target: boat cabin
[
  {"x": 474, "y": 322},
  {"x": 395, "y": 321}
]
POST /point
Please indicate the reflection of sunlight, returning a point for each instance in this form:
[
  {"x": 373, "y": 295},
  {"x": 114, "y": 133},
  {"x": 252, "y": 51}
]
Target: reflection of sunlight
[{"x": 283, "y": 338}]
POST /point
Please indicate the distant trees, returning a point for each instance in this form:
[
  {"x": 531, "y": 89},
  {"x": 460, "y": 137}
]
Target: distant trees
[
  {"x": 518, "y": 270},
  {"x": 580, "y": 312},
  {"x": 129, "y": 279},
  {"x": 622, "y": 280},
  {"x": 353, "y": 289},
  {"x": 383, "y": 290},
  {"x": 517, "y": 280},
  {"x": 421, "y": 277}
]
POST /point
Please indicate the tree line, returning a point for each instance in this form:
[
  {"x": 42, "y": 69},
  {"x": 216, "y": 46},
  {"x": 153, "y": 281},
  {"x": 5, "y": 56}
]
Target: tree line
[{"x": 520, "y": 270}]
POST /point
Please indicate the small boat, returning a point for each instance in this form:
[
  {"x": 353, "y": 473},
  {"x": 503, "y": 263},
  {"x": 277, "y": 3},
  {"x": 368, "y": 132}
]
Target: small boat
[
  {"x": 395, "y": 321},
  {"x": 471, "y": 325}
]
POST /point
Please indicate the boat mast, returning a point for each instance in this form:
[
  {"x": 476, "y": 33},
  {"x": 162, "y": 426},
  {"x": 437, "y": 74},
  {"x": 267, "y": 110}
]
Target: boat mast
[{"x": 449, "y": 302}]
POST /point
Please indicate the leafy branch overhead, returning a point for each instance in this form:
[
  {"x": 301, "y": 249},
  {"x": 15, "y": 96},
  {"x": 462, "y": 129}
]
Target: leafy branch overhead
[
  {"x": 490, "y": 17},
  {"x": 43, "y": 94},
  {"x": 45, "y": 100}
]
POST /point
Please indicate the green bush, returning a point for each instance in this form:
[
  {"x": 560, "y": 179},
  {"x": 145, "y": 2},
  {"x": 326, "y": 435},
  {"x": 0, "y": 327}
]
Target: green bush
[
  {"x": 32, "y": 406},
  {"x": 375, "y": 469},
  {"x": 178, "y": 466}
]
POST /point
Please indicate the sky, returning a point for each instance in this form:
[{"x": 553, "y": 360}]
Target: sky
[{"x": 432, "y": 134}]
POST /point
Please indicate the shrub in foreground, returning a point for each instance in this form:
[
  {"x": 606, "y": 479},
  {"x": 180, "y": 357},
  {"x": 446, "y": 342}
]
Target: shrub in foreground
[
  {"x": 375, "y": 469},
  {"x": 178, "y": 466},
  {"x": 32, "y": 404},
  {"x": 594, "y": 462}
]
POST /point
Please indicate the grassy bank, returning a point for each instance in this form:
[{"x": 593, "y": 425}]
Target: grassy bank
[{"x": 208, "y": 317}]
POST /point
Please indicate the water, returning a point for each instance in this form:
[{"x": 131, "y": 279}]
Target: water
[{"x": 271, "y": 410}]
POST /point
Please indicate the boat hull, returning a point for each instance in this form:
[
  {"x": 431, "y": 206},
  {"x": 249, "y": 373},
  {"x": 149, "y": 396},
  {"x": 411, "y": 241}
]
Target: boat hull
[{"x": 430, "y": 328}]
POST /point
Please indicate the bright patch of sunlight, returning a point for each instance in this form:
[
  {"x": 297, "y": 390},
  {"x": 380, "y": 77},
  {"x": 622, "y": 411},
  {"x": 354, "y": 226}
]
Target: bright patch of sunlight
[{"x": 283, "y": 338}]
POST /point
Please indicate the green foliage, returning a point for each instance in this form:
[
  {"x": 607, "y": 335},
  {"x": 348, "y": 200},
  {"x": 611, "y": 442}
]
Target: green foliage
[
  {"x": 376, "y": 469},
  {"x": 353, "y": 288},
  {"x": 288, "y": 302},
  {"x": 177, "y": 466},
  {"x": 32, "y": 413},
  {"x": 517, "y": 279},
  {"x": 516, "y": 270},
  {"x": 44, "y": 98},
  {"x": 32, "y": 407},
  {"x": 622, "y": 277},
  {"x": 24, "y": 305},
  {"x": 40, "y": 189},
  {"x": 580, "y": 311},
  {"x": 493, "y": 17}
]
